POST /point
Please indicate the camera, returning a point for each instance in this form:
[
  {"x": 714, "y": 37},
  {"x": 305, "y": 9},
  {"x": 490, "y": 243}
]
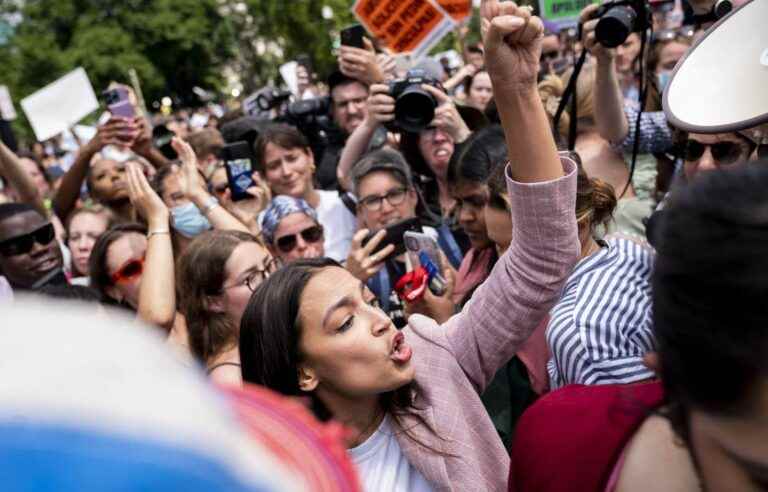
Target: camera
[
  {"x": 272, "y": 98},
  {"x": 414, "y": 107},
  {"x": 620, "y": 18}
]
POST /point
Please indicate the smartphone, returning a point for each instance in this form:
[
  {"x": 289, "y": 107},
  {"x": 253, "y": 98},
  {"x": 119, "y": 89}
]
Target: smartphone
[
  {"x": 353, "y": 36},
  {"x": 395, "y": 235},
  {"x": 118, "y": 102},
  {"x": 420, "y": 245},
  {"x": 418, "y": 242},
  {"x": 238, "y": 161}
]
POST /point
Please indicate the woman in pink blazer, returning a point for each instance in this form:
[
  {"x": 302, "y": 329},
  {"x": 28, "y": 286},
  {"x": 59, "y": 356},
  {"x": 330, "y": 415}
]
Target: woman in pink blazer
[{"x": 411, "y": 397}]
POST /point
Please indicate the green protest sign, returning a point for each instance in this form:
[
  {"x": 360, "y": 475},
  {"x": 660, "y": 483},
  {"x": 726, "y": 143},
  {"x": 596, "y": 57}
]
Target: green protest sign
[{"x": 563, "y": 12}]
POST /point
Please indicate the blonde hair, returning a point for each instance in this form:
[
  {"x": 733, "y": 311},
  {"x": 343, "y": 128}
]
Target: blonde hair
[{"x": 585, "y": 100}]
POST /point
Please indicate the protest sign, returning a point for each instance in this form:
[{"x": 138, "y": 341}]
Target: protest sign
[
  {"x": 59, "y": 105},
  {"x": 564, "y": 13},
  {"x": 457, "y": 9},
  {"x": 7, "y": 112},
  {"x": 404, "y": 26}
]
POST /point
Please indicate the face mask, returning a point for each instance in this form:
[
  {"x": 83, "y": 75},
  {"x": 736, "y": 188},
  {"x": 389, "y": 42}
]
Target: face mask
[
  {"x": 188, "y": 220},
  {"x": 662, "y": 80}
]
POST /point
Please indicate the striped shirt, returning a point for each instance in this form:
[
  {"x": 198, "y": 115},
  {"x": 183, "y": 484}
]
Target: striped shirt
[{"x": 602, "y": 326}]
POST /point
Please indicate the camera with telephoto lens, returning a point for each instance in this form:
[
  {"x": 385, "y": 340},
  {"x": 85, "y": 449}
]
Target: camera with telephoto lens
[
  {"x": 414, "y": 107},
  {"x": 620, "y": 18},
  {"x": 272, "y": 98}
]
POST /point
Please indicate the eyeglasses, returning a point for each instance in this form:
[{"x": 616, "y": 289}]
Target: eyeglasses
[
  {"x": 128, "y": 271},
  {"x": 313, "y": 234},
  {"x": 722, "y": 152},
  {"x": 394, "y": 197},
  {"x": 257, "y": 275},
  {"x": 23, "y": 244}
]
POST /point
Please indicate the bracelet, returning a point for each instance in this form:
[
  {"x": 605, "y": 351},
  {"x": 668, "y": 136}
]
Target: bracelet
[
  {"x": 159, "y": 231},
  {"x": 210, "y": 204}
]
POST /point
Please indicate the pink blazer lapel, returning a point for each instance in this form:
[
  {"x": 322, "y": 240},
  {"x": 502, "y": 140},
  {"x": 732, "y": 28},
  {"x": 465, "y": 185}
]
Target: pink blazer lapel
[{"x": 431, "y": 464}]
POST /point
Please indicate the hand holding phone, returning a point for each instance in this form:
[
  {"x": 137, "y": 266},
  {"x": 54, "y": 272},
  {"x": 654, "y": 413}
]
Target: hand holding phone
[{"x": 394, "y": 235}]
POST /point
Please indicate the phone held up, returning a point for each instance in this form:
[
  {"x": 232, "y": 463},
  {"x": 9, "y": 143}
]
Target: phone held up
[
  {"x": 353, "y": 36},
  {"x": 238, "y": 161},
  {"x": 395, "y": 235},
  {"x": 119, "y": 103}
]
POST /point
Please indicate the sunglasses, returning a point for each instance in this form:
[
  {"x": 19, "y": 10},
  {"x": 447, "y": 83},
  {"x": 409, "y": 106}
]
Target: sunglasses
[
  {"x": 219, "y": 190},
  {"x": 722, "y": 152},
  {"x": 313, "y": 234},
  {"x": 23, "y": 244},
  {"x": 129, "y": 270}
]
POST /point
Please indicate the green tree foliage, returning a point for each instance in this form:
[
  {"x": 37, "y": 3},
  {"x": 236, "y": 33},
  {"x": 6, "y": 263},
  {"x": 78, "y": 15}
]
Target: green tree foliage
[
  {"x": 174, "y": 45},
  {"x": 271, "y": 32}
]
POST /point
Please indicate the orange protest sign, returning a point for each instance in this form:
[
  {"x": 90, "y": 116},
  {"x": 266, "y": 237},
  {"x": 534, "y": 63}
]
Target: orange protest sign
[
  {"x": 457, "y": 9},
  {"x": 404, "y": 26}
]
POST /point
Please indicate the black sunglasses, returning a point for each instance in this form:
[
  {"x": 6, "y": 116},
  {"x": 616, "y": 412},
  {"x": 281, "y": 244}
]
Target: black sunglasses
[
  {"x": 23, "y": 244},
  {"x": 313, "y": 234},
  {"x": 722, "y": 152}
]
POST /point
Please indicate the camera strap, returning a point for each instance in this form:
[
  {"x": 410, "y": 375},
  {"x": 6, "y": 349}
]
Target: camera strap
[{"x": 570, "y": 90}]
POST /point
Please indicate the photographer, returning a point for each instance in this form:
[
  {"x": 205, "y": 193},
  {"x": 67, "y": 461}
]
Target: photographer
[{"x": 349, "y": 110}]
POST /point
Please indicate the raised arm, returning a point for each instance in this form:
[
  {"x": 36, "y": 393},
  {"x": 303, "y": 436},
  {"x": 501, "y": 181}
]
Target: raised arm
[
  {"x": 193, "y": 187},
  {"x": 381, "y": 109},
  {"x": 609, "y": 102},
  {"x": 527, "y": 280},
  {"x": 113, "y": 132},
  {"x": 157, "y": 294},
  {"x": 13, "y": 172}
]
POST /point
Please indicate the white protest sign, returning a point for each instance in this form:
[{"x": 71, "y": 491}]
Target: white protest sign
[
  {"x": 404, "y": 26},
  {"x": 7, "y": 112},
  {"x": 291, "y": 79},
  {"x": 61, "y": 104}
]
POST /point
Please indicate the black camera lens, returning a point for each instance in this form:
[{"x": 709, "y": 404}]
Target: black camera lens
[
  {"x": 414, "y": 109},
  {"x": 615, "y": 26}
]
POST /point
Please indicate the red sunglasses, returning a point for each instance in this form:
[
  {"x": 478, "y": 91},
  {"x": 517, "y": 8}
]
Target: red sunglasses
[{"x": 129, "y": 270}]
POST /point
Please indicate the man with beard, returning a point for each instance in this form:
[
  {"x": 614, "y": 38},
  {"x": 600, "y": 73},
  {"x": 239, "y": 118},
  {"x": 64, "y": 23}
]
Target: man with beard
[{"x": 30, "y": 256}]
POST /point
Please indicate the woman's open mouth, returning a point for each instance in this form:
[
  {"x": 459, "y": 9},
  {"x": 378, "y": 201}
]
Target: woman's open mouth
[{"x": 401, "y": 352}]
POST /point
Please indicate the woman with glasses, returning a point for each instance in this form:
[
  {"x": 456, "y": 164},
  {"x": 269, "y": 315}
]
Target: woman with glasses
[
  {"x": 291, "y": 230},
  {"x": 216, "y": 275}
]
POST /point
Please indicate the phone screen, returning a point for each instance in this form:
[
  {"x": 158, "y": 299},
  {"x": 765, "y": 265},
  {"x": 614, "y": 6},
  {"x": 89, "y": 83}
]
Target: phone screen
[{"x": 239, "y": 165}]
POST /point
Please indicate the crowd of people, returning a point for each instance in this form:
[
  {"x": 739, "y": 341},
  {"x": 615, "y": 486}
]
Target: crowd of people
[{"x": 597, "y": 326}]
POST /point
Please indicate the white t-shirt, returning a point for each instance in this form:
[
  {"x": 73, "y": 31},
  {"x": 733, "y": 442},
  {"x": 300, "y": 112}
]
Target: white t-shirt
[
  {"x": 339, "y": 225},
  {"x": 383, "y": 467}
]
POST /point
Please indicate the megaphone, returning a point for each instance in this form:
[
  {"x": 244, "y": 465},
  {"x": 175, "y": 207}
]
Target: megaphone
[{"x": 721, "y": 84}]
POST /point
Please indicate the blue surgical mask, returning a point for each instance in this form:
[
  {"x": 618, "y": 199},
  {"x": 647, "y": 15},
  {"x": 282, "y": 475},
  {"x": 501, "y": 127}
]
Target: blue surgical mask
[
  {"x": 188, "y": 220},
  {"x": 662, "y": 79}
]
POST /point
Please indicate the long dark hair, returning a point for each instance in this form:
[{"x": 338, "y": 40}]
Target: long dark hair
[
  {"x": 270, "y": 332},
  {"x": 709, "y": 286},
  {"x": 480, "y": 153},
  {"x": 200, "y": 273}
]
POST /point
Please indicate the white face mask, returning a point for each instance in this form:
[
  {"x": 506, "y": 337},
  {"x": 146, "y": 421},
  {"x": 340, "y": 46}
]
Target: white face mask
[{"x": 188, "y": 220}]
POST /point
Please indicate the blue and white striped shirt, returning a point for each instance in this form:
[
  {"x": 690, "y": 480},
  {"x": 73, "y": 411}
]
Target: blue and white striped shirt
[{"x": 602, "y": 326}]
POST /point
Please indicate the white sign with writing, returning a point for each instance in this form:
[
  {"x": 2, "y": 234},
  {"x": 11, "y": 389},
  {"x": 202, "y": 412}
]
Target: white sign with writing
[{"x": 61, "y": 104}]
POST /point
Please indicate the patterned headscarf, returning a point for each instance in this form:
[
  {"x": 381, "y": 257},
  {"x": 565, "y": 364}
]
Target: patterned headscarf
[{"x": 280, "y": 207}]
